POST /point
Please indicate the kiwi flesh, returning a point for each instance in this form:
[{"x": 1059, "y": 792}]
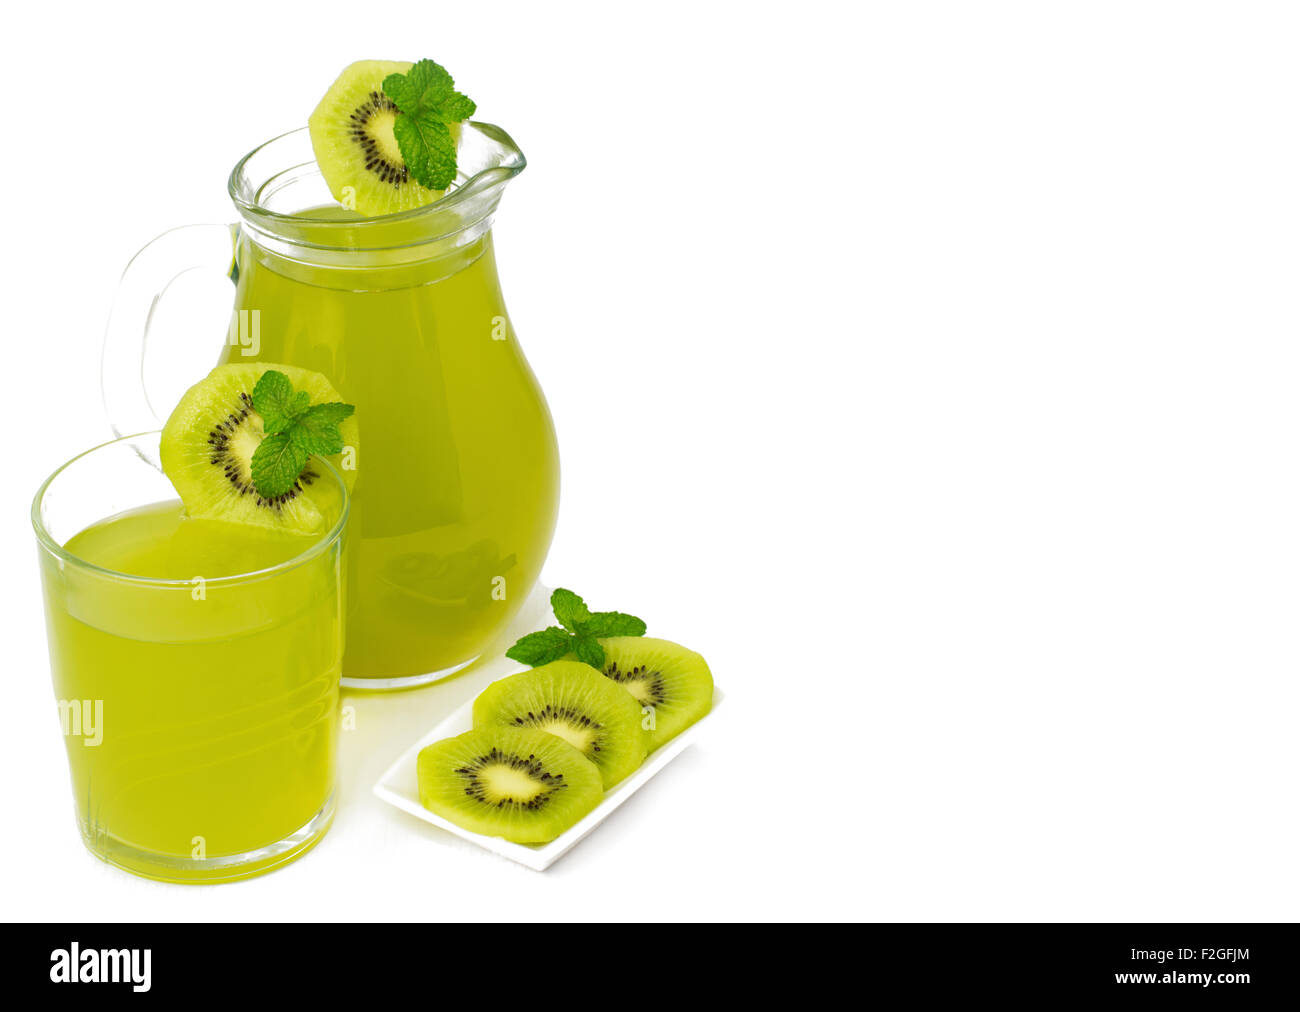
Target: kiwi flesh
[
  {"x": 521, "y": 784},
  {"x": 352, "y": 136},
  {"x": 571, "y": 701},
  {"x": 672, "y": 685},
  {"x": 208, "y": 444}
]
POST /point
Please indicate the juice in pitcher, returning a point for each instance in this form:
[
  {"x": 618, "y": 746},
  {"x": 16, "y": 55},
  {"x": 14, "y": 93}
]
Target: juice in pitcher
[{"x": 457, "y": 486}]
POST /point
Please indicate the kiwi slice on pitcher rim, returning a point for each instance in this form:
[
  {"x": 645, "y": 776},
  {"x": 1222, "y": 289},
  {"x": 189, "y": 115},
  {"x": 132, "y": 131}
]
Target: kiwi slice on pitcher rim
[
  {"x": 211, "y": 437},
  {"x": 521, "y": 784},
  {"x": 672, "y": 685},
  {"x": 573, "y": 702},
  {"x": 370, "y": 163}
]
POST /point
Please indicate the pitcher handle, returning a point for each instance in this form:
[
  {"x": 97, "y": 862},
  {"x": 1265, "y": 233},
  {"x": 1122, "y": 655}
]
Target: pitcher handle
[{"x": 146, "y": 278}]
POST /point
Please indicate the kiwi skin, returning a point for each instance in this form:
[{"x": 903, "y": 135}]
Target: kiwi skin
[
  {"x": 572, "y": 701},
  {"x": 668, "y": 680}
]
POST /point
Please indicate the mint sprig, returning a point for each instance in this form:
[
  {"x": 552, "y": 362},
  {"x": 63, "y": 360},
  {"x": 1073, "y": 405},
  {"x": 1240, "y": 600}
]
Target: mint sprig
[
  {"x": 427, "y": 103},
  {"x": 579, "y": 632},
  {"x": 295, "y": 429}
]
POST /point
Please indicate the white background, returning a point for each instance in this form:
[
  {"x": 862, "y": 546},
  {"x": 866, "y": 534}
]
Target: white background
[{"x": 931, "y": 368}]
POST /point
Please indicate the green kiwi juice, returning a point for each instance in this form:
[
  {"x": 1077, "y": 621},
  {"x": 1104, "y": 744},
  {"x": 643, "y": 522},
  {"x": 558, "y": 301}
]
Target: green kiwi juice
[
  {"x": 197, "y": 665},
  {"x": 457, "y": 477}
]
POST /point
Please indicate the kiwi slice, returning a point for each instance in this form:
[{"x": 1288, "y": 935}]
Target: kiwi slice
[
  {"x": 527, "y": 786},
  {"x": 209, "y": 441},
  {"x": 570, "y": 700},
  {"x": 665, "y": 678},
  {"x": 352, "y": 136}
]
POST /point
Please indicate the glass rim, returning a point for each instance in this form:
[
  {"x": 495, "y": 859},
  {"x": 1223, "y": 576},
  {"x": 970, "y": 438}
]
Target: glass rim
[
  {"x": 483, "y": 179},
  {"x": 47, "y": 541}
]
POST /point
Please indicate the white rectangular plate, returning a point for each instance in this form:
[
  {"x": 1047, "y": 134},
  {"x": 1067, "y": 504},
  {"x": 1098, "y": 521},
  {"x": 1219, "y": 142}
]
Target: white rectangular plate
[{"x": 400, "y": 787}]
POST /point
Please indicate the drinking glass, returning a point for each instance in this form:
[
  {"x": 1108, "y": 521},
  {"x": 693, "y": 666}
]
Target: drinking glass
[{"x": 200, "y": 714}]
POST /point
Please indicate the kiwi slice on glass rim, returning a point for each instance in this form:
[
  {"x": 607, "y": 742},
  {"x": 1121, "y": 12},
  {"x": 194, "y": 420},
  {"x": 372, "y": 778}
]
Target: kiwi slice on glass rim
[
  {"x": 357, "y": 147},
  {"x": 672, "y": 684},
  {"x": 211, "y": 436},
  {"x": 571, "y": 701},
  {"x": 524, "y": 785}
]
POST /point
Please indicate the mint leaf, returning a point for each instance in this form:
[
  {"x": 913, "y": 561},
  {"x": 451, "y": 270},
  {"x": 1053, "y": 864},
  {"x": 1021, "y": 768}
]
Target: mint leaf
[
  {"x": 569, "y": 608},
  {"x": 274, "y": 400},
  {"x": 316, "y": 430},
  {"x": 589, "y": 651},
  {"x": 427, "y": 104},
  {"x": 456, "y": 107},
  {"x": 602, "y": 624},
  {"x": 538, "y": 648},
  {"x": 276, "y": 465},
  {"x": 295, "y": 429},
  {"x": 581, "y": 635},
  {"x": 427, "y": 149},
  {"x": 328, "y": 412},
  {"x": 425, "y": 85}
]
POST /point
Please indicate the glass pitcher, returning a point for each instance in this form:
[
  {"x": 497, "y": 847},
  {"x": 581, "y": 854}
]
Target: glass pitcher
[{"x": 457, "y": 483}]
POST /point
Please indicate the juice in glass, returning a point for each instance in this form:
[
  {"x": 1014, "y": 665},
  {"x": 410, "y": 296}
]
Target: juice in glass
[{"x": 196, "y": 665}]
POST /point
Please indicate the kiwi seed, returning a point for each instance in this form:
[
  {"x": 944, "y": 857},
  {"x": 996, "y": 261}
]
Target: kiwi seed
[
  {"x": 376, "y": 102},
  {"x": 550, "y": 714},
  {"x": 652, "y": 682},
  {"x": 531, "y": 766},
  {"x": 236, "y": 470}
]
